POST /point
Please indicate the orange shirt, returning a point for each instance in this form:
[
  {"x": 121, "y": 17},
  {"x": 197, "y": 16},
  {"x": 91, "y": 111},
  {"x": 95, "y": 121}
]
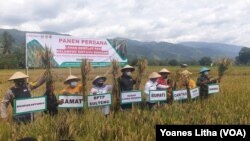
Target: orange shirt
[{"x": 70, "y": 90}]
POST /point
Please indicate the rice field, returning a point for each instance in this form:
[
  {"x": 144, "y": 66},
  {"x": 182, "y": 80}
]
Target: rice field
[{"x": 230, "y": 106}]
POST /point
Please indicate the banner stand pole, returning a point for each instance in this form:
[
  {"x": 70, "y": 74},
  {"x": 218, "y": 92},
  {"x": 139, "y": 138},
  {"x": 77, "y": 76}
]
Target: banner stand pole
[{"x": 69, "y": 70}]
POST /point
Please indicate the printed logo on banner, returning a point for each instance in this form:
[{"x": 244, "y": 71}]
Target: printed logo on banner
[
  {"x": 131, "y": 97},
  {"x": 99, "y": 100},
  {"x": 155, "y": 95},
  {"x": 180, "y": 95},
  {"x": 71, "y": 101},
  {"x": 214, "y": 88},
  {"x": 29, "y": 105},
  {"x": 194, "y": 93}
]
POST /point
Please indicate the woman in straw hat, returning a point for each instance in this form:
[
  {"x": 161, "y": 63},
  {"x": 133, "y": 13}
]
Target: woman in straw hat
[
  {"x": 72, "y": 86},
  {"x": 99, "y": 87},
  {"x": 126, "y": 83},
  {"x": 151, "y": 84},
  {"x": 165, "y": 83},
  {"x": 21, "y": 89},
  {"x": 203, "y": 81}
]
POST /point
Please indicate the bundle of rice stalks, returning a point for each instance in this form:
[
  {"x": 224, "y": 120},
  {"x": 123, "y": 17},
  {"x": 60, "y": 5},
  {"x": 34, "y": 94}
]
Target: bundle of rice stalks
[
  {"x": 223, "y": 65},
  {"x": 46, "y": 59},
  {"x": 85, "y": 70},
  {"x": 142, "y": 65},
  {"x": 116, "y": 87},
  {"x": 177, "y": 79}
]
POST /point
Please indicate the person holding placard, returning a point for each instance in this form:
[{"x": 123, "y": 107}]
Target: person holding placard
[
  {"x": 126, "y": 83},
  {"x": 21, "y": 89},
  {"x": 151, "y": 84},
  {"x": 204, "y": 80},
  {"x": 165, "y": 83},
  {"x": 99, "y": 87},
  {"x": 72, "y": 88}
]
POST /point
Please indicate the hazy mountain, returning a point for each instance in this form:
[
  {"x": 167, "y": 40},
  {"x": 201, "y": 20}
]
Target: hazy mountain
[{"x": 158, "y": 50}]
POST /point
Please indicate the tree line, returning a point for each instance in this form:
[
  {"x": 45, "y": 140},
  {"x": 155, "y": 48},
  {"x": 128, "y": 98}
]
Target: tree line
[{"x": 13, "y": 56}]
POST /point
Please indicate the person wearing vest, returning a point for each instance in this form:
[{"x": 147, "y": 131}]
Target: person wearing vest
[
  {"x": 21, "y": 89},
  {"x": 126, "y": 83},
  {"x": 100, "y": 88}
]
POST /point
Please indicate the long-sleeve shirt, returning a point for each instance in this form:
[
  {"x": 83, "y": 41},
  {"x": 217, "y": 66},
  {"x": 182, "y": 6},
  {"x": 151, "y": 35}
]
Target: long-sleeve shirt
[
  {"x": 70, "y": 90},
  {"x": 126, "y": 83},
  {"x": 9, "y": 96},
  {"x": 162, "y": 83},
  {"x": 102, "y": 90},
  {"x": 150, "y": 85}
]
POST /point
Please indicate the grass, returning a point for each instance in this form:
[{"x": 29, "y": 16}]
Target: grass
[{"x": 230, "y": 106}]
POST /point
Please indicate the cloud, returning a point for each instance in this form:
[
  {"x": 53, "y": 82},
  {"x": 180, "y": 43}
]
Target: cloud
[{"x": 223, "y": 21}]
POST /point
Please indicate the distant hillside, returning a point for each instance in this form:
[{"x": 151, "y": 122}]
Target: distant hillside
[
  {"x": 157, "y": 50},
  {"x": 215, "y": 48}
]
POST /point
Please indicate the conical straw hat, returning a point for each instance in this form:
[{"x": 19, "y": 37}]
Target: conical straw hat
[
  {"x": 164, "y": 70},
  {"x": 18, "y": 75},
  {"x": 71, "y": 77},
  {"x": 154, "y": 75},
  {"x": 98, "y": 77},
  {"x": 128, "y": 67}
]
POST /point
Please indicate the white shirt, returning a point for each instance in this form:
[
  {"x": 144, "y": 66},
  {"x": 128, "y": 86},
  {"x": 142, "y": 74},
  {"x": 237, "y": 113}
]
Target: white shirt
[
  {"x": 150, "y": 85},
  {"x": 102, "y": 90}
]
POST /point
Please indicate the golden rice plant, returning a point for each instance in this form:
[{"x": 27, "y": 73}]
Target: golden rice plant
[
  {"x": 46, "y": 59},
  {"x": 142, "y": 66},
  {"x": 223, "y": 65},
  {"x": 116, "y": 87},
  {"x": 85, "y": 71}
]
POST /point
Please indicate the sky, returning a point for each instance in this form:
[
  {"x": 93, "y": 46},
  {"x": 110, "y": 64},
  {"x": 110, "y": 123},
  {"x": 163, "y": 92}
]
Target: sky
[{"x": 224, "y": 21}]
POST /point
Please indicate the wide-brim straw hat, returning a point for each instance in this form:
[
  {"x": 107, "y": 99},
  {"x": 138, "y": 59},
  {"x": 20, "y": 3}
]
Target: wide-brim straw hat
[
  {"x": 18, "y": 75},
  {"x": 164, "y": 70},
  {"x": 204, "y": 69},
  {"x": 71, "y": 77},
  {"x": 186, "y": 73},
  {"x": 98, "y": 77},
  {"x": 128, "y": 67},
  {"x": 154, "y": 75}
]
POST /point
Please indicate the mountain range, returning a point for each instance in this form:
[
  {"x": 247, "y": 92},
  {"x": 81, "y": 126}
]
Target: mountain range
[{"x": 157, "y": 50}]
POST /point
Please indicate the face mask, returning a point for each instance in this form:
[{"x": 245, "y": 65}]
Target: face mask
[
  {"x": 99, "y": 84},
  {"x": 20, "y": 83},
  {"x": 128, "y": 73},
  {"x": 73, "y": 84},
  {"x": 206, "y": 73}
]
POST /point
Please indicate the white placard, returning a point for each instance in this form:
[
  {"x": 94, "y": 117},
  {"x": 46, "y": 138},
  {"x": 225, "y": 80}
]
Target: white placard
[
  {"x": 157, "y": 96},
  {"x": 29, "y": 105},
  {"x": 131, "y": 97},
  {"x": 213, "y": 89},
  {"x": 71, "y": 101},
  {"x": 194, "y": 93},
  {"x": 180, "y": 95},
  {"x": 99, "y": 100}
]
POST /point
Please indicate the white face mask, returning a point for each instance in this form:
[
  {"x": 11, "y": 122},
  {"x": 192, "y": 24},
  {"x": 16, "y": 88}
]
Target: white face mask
[
  {"x": 73, "y": 84},
  {"x": 128, "y": 73},
  {"x": 206, "y": 73}
]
